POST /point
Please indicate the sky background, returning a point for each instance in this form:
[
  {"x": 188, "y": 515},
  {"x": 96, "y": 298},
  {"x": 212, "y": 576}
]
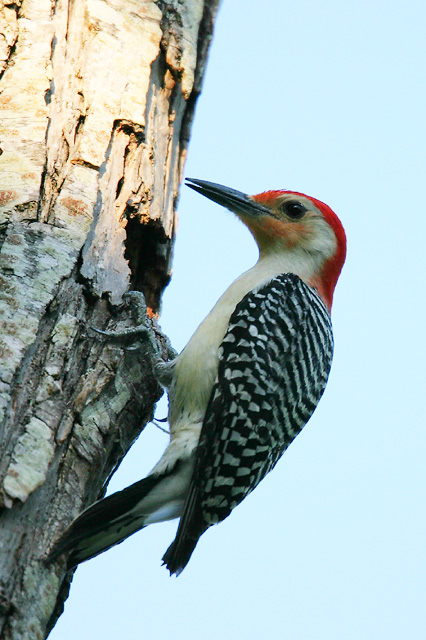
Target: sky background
[{"x": 327, "y": 98}]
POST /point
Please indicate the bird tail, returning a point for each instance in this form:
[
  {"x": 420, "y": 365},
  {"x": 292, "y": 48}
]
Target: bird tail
[
  {"x": 113, "y": 519},
  {"x": 178, "y": 555},
  {"x": 192, "y": 525}
]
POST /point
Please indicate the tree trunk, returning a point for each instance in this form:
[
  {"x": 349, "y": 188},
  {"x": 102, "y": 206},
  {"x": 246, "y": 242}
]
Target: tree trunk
[{"x": 97, "y": 99}]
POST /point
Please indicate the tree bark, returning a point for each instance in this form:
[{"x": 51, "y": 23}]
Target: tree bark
[{"x": 97, "y": 99}]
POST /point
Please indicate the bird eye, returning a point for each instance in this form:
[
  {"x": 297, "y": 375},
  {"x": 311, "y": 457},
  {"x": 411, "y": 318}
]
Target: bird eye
[{"x": 294, "y": 209}]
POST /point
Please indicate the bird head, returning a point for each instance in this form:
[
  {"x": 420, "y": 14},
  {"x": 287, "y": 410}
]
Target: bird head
[{"x": 291, "y": 224}]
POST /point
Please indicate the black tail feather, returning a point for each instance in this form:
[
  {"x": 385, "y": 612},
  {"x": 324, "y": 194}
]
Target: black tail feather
[
  {"x": 103, "y": 525},
  {"x": 191, "y": 527},
  {"x": 178, "y": 554}
]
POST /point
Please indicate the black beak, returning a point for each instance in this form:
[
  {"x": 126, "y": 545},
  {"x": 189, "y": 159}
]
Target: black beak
[{"x": 234, "y": 200}]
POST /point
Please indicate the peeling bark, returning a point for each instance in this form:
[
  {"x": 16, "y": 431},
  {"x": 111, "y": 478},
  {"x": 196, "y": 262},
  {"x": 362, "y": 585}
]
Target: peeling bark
[{"x": 97, "y": 99}]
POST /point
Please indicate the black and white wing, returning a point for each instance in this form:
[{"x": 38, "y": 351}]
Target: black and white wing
[{"x": 274, "y": 363}]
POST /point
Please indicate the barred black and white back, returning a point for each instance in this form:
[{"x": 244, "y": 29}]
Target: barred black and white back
[{"x": 267, "y": 387}]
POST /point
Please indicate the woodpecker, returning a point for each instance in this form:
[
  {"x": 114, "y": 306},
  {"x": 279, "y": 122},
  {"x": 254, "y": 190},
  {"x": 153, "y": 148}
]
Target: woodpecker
[{"x": 244, "y": 386}]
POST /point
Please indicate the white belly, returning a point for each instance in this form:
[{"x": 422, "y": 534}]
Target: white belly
[{"x": 196, "y": 367}]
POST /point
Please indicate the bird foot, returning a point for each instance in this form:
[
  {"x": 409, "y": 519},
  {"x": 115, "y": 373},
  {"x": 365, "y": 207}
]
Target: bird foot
[
  {"x": 135, "y": 338},
  {"x": 135, "y": 301}
]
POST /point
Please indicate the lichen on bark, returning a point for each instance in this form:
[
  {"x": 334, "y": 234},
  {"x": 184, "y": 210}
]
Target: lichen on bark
[{"x": 96, "y": 100}]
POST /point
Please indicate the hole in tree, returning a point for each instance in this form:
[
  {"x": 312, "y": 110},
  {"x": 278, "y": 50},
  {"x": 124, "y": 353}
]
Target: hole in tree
[{"x": 149, "y": 252}]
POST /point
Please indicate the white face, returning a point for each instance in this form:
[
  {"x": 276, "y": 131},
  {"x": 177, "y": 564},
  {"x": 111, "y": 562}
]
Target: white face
[{"x": 295, "y": 227}]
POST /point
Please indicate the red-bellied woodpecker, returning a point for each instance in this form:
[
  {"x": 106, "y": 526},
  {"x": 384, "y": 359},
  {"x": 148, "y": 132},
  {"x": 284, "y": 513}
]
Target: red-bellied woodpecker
[{"x": 244, "y": 386}]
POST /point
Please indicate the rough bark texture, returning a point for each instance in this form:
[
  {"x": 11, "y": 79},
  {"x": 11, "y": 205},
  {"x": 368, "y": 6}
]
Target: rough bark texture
[{"x": 97, "y": 98}]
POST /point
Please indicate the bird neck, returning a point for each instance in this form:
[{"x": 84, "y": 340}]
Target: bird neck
[{"x": 310, "y": 267}]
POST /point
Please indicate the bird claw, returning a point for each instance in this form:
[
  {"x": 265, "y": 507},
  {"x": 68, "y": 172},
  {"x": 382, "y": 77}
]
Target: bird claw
[
  {"x": 131, "y": 339},
  {"x": 122, "y": 336},
  {"x": 135, "y": 300}
]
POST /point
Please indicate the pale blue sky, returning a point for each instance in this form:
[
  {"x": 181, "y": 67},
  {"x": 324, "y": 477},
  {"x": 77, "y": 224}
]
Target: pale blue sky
[{"x": 327, "y": 98}]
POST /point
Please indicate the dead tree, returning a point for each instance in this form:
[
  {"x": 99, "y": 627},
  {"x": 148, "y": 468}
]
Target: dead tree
[{"x": 97, "y": 99}]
